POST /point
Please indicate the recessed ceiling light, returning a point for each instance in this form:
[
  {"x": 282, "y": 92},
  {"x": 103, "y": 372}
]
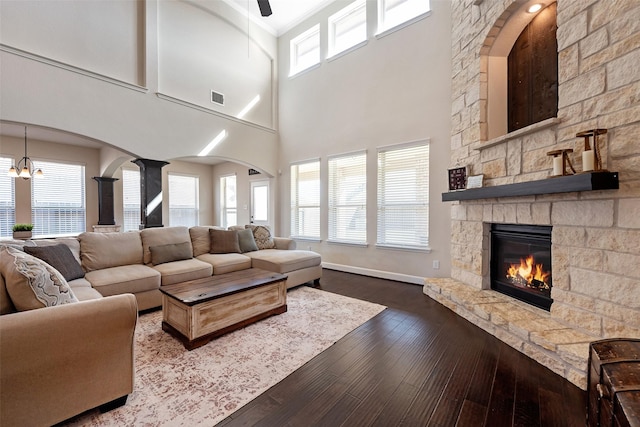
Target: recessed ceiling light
[{"x": 534, "y": 8}]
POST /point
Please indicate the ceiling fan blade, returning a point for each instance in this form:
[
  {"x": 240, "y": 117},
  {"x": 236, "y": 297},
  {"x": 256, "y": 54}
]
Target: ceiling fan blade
[{"x": 265, "y": 8}]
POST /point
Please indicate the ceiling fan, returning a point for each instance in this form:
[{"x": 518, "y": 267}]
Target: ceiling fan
[{"x": 265, "y": 8}]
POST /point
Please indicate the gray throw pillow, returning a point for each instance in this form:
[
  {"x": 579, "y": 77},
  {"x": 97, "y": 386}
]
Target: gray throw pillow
[
  {"x": 161, "y": 254},
  {"x": 59, "y": 257},
  {"x": 246, "y": 241},
  {"x": 224, "y": 241}
]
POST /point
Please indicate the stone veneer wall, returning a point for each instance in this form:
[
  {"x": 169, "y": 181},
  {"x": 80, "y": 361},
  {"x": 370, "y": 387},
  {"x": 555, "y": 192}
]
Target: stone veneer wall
[{"x": 596, "y": 235}]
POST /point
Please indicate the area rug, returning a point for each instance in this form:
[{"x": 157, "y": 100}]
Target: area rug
[{"x": 176, "y": 387}]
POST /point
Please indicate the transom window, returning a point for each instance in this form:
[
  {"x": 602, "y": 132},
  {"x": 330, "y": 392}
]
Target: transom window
[
  {"x": 305, "y": 50},
  {"x": 348, "y": 27},
  {"x": 348, "y": 198},
  {"x": 403, "y": 196},
  {"x": 183, "y": 200},
  {"x": 392, "y": 13},
  {"x": 131, "y": 199},
  {"x": 7, "y": 199},
  {"x": 305, "y": 199},
  {"x": 58, "y": 203}
]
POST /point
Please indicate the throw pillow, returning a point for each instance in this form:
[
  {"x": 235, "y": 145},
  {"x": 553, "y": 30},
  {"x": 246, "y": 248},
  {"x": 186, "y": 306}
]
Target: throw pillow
[
  {"x": 161, "y": 254},
  {"x": 59, "y": 257},
  {"x": 224, "y": 241},
  {"x": 246, "y": 241},
  {"x": 31, "y": 282},
  {"x": 262, "y": 236}
]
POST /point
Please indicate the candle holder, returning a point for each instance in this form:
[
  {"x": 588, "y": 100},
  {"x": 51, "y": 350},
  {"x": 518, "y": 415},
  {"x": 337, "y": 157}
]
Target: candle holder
[
  {"x": 591, "y": 157},
  {"x": 560, "y": 161}
]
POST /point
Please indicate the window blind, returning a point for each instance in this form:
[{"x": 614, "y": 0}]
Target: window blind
[
  {"x": 304, "y": 50},
  {"x": 183, "y": 200},
  {"x": 58, "y": 199},
  {"x": 228, "y": 201},
  {"x": 348, "y": 198},
  {"x": 403, "y": 196},
  {"x": 131, "y": 199},
  {"x": 7, "y": 199},
  {"x": 347, "y": 27},
  {"x": 305, "y": 199}
]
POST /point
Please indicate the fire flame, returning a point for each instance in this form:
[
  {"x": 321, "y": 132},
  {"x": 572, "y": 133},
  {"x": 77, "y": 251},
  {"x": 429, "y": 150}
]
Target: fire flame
[{"x": 527, "y": 272}]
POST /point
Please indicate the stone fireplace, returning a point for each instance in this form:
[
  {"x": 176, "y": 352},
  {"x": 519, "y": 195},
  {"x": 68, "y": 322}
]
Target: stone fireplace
[{"x": 594, "y": 231}]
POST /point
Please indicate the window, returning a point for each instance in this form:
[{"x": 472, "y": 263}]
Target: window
[
  {"x": 305, "y": 50},
  {"x": 348, "y": 198},
  {"x": 348, "y": 27},
  {"x": 392, "y": 13},
  {"x": 58, "y": 200},
  {"x": 228, "y": 201},
  {"x": 7, "y": 199},
  {"x": 183, "y": 200},
  {"x": 403, "y": 196},
  {"x": 305, "y": 199},
  {"x": 131, "y": 199}
]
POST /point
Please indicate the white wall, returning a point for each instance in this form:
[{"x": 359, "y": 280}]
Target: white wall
[
  {"x": 395, "y": 89},
  {"x": 98, "y": 69}
]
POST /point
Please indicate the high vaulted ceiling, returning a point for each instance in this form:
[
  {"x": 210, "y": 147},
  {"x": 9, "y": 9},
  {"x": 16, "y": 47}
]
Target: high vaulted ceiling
[{"x": 286, "y": 13}]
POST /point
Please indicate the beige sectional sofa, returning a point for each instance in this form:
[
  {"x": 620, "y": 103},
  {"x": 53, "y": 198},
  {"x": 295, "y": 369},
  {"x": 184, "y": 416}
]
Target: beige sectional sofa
[{"x": 59, "y": 361}]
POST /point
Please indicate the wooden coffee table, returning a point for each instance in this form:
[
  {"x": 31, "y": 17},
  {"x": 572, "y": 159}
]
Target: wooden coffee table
[{"x": 200, "y": 310}]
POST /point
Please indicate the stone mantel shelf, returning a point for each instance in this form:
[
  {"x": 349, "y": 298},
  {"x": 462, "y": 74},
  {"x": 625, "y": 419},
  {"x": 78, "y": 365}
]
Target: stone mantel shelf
[{"x": 589, "y": 181}]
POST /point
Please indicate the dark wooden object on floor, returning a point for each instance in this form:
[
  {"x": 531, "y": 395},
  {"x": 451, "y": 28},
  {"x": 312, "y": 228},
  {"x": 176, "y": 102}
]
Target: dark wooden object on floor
[
  {"x": 415, "y": 364},
  {"x": 200, "y": 310},
  {"x": 614, "y": 383}
]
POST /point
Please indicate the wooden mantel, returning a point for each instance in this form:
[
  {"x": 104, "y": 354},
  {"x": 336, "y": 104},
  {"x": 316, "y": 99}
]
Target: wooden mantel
[{"x": 562, "y": 184}]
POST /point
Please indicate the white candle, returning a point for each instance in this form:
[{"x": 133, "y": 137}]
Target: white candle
[
  {"x": 588, "y": 160},
  {"x": 557, "y": 165}
]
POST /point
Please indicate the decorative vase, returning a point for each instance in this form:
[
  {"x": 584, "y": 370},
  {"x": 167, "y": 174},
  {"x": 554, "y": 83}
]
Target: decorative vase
[{"x": 21, "y": 235}]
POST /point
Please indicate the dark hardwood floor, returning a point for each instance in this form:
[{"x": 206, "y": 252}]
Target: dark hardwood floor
[{"x": 415, "y": 364}]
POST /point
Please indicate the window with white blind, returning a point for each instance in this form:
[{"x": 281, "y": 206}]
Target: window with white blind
[
  {"x": 58, "y": 199},
  {"x": 348, "y": 198},
  {"x": 305, "y": 199},
  {"x": 403, "y": 196},
  {"x": 7, "y": 199},
  {"x": 348, "y": 27},
  {"x": 183, "y": 200},
  {"x": 228, "y": 201},
  {"x": 392, "y": 13},
  {"x": 131, "y": 199},
  {"x": 304, "y": 50}
]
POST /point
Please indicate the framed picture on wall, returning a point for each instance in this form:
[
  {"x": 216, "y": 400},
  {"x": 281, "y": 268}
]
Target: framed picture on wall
[{"x": 458, "y": 178}]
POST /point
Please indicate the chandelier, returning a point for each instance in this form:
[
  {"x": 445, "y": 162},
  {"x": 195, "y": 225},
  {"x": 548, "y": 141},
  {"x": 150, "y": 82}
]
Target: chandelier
[{"x": 25, "y": 165}]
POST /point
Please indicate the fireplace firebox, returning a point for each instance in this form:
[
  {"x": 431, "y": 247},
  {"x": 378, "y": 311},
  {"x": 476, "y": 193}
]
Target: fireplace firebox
[{"x": 521, "y": 263}]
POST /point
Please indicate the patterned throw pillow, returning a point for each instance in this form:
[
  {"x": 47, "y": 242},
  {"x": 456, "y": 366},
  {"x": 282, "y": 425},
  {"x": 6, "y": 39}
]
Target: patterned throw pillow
[
  {"x": 262, "y": 236},
  {"x": 31, "y": 282}
]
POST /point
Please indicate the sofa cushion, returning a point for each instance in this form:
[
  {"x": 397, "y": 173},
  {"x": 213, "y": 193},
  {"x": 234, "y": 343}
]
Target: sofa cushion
[
  {"x": 246, "y": 241},
  {"x": 226, "y": 263},
  {"x": 181, "y": 271},
  {"x": 163, "y": 236},
  {"x": 105, "y": 250},
  {"x": 58, "y": 256},
  {"x": 262, "y": 236},
  {"x": 6, "y": 306},
  {"x": 31, "y": 282},
  {"x": 200, "y": 238},
  {"x": 282, "y": 262},
  {"x": 161, "y": 254},
  {"x": 83, "y": 291},
  {"x": 124, "y": 279},
  {"x": 224, "y": 241}
]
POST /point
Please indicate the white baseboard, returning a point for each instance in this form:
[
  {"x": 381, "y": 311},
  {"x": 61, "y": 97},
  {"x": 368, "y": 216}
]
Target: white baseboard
[{"x": 416, "y": 280}]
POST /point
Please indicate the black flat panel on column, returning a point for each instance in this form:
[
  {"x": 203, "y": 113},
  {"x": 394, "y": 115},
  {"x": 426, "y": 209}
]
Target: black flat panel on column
[
  {"x": 105, "y": 200},
  {"x": 150, "y": 192}
]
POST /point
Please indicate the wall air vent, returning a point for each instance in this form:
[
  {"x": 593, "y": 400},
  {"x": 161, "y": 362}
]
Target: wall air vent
[{"x": 217, "y": 98}]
